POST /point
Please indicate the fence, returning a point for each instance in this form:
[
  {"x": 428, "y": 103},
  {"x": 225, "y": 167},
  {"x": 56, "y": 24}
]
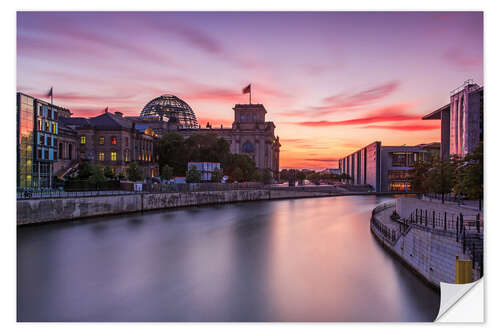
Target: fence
[
  {"x": 466, "y": 229},
  {"x": 147, "y": 188}
]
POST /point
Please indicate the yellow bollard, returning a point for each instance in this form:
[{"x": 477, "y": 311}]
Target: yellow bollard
[{"x": 463, "y": 271}]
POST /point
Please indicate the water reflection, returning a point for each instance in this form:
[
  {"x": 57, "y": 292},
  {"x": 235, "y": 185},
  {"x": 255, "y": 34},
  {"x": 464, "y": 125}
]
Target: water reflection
[{"x": 289, "y": 260}]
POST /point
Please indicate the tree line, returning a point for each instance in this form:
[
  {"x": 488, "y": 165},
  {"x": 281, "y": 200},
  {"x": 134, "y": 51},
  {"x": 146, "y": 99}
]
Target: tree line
[
  {"x": 313, "y": 176},
  {"x": 462, "y": 177}
]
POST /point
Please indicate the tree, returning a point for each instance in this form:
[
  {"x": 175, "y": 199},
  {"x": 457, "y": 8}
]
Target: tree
[
  {"x": 172, "y": 150},
  {"x": 314, "y": 178},
  {"x": 284, "y": 175},
  {"x": 470, "y": 175},
  {"x": 267, "y": 177},
  {"x": 96, "y": 174},
  {"x": 238, "y": 175},
  {"x": 418, "y": 174},
  {"x": 301, "y": 176},
  {"x": 216, "y": 176},
  {"x": 167, "y": 172},
  {"x": 193, "y": 175},
  {"x": 84, "y": 170},
  {"x": 108, "y": 173},
  {"x": 134, "y": 173},
  {"x": 440, "y": 178}
]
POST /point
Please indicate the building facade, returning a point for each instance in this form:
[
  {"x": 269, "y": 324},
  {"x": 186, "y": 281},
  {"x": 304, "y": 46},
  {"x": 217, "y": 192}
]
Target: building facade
[
  {"x": 249, "y": 134},
  {"x": 461, "y": 120},
  {"x": 114, "y": 141},
  {"x": 385, "y": 168},
  {"x": 37, "y": 141}
]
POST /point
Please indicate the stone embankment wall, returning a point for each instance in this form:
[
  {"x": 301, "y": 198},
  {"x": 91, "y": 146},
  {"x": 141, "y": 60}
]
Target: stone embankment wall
[
  {"x": 60, "y": 209},
  {"x": 428, "y": 251}
]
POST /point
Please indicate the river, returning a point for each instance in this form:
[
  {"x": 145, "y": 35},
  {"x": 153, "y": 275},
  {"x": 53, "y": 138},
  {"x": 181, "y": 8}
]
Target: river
[{"x": 284, "y": 260}]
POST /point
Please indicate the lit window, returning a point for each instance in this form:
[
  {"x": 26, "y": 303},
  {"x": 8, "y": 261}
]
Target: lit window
[
  {"x": 126, "y": 155},
  {"x": 113, "y": 140},
  {"x": 113, "y": 155},
  {"x": 101, "y": 140},
  {"x": 101, "y": 156},
  {"x": 53, "y": 127},
  {"x": 82, "y": 139}
]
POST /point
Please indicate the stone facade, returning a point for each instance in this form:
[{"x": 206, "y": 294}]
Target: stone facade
[
  {"x": 431, "y": 251},
  {"x": 250, "y": 134},
  {"x": 113, "y": 141}
]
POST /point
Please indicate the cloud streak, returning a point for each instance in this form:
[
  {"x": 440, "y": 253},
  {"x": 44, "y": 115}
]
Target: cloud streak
[{"x": 386, "y": 114}]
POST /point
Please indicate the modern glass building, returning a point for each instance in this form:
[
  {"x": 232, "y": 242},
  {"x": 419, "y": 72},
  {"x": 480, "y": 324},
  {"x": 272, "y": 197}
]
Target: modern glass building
[
  {"x": 385, "y": 168},
  {"x": 37, "y": 141},
  {"x": 25, "y": 140}
]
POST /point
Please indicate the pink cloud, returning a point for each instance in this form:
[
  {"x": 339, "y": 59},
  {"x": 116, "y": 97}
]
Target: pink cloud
[
  {"x": 395, "y": 112},
  {"x": 458, "y": 57},
  {"x": 407, "y": 128}
]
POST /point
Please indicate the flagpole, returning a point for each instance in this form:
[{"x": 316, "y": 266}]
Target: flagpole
[
  {"x": 250, "y": 95},
  {"x": 52, "y": 95}
]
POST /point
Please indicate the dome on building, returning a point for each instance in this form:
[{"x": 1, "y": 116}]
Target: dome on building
[{"x": 171, "y": 108}]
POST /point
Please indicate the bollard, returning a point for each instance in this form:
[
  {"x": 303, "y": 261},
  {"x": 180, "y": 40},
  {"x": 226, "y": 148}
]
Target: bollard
[
  {"x": 433, "y": 219},
  {"x": 456, "y": 228},
  {"x": 463, "y": 271},
  {"x": 461, "y": 223},
  {"x": 426, "y": 217},
  {"x": 478, "y": 223}
]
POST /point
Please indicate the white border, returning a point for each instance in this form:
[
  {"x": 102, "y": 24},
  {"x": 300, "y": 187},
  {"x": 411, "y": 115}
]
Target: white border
[{"x": 492, "y": 107}]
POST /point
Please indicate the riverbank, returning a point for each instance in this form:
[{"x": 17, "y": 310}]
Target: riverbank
[
  {"x": 62, "y": 209},
  {"x": 429, "y": 237}
]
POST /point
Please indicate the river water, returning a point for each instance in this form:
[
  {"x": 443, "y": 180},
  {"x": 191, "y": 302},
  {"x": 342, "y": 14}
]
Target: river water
[{"x": 287, "y": 260}]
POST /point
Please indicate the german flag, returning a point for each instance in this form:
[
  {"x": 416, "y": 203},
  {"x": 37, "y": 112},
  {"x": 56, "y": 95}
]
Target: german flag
[{"x": 247, "y": 89}]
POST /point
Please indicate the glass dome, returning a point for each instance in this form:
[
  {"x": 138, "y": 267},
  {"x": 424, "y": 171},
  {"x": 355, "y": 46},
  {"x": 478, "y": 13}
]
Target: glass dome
[{"x": 172, "y": 108}]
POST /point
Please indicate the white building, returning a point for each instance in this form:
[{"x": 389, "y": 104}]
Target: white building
[{"x": 206, "y": 169}]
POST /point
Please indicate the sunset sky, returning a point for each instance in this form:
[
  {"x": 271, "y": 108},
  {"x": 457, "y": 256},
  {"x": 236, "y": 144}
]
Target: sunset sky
[{"x": 332, "y": 82}]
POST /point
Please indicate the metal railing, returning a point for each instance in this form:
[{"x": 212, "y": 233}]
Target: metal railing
[{"x": 145, "y": 188}]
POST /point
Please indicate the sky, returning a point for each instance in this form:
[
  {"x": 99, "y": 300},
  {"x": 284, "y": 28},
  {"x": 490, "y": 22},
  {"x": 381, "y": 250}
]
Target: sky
[{"x": 332, "y": 82}]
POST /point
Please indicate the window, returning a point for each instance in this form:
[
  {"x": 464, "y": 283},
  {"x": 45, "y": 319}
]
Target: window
[
  {"x": 101, "y": 156},
  {"x": 248, "y": 147},
  {"x": 126, "y": 156},
  {"x": 55, "y": 155},
  {"x": 53, "y": 127},
  {"x": 40, "y": 125},
  {"x": 398, "y": 159},
  {"x": 82, "y": 139},
  {"x": 113, "y": 155},
  {"x": 397, "y": 174},
  {"x": 113, "y": 140},
  {"x": 126, "y": 141},
  {"x": 101, "y": 140},
  {"x": 400, "y": 186},
  {"x": 47, "y": 126}
]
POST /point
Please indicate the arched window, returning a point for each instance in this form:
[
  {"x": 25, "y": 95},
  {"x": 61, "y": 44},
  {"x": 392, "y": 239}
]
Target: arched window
[{"x": 248, "y": 147}]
